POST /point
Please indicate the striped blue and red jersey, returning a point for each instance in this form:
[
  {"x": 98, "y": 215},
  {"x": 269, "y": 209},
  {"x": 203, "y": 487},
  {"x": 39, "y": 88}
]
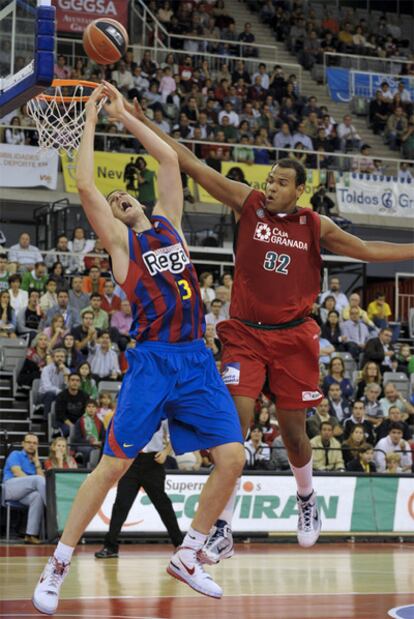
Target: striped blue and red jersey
[{"x": 162, "y": 286}]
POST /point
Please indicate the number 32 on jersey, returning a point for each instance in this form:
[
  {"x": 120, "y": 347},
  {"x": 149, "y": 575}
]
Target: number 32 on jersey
[{"x": 277, "y": 262}]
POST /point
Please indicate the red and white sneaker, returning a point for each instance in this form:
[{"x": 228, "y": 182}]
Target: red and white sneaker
[
  {"x": 186, "y": 566},
  {"x": 46, "y": 594}
]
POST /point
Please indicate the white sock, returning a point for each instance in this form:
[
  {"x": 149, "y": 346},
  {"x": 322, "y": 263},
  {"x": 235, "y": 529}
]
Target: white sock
[
  {"x": 194, "y": 539},
  {"x": 227, "y": 513},
  {"x": 63, "y": 553},
  {"x": 303, "y": 476}
]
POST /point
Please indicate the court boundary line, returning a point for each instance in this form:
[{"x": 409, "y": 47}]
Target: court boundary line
[{"x": 230, "y": 595}]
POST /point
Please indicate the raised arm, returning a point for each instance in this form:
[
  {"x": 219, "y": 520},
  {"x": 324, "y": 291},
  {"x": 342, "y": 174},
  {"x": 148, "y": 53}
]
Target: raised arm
[
  {"x": 230, "y": 193},
  {"x": 345, "y": 244},
  {"x": 170, "y": 190},
  {"x": 112, "y": 232}
]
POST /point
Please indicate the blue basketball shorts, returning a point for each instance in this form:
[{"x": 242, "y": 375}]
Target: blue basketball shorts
[{"x": 178, "y": 382}]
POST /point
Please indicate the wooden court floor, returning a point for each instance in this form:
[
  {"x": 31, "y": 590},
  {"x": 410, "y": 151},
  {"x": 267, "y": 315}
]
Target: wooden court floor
[{"x": 262, "y": 581}]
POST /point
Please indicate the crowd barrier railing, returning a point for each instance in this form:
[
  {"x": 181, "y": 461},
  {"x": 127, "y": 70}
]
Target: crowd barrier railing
[
  {"x": 73, "y": 49},
  {"x": 267, "y": 451},
  {"x": 374, "y": 64},
  {"x": 156, "y": 32},
  {"x": 337, "y": 161}
]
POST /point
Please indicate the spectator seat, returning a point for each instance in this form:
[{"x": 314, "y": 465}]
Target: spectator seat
[
  {"x": 350, "y": 365},
  {"x": 110, "y": 385},
  {"x": 14, "y": 349},
  {"x": 34, "y": 397},
  {"x": 400, "y": 380}
]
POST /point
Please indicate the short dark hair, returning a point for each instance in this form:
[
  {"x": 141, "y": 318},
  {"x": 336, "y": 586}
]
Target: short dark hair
[
  {"x": 396, "y": 425},
  {"x": 74, "y": 374},
  {"x": 294, "y": 165},
  {"x": 92, "y": 401},
  {"x": 95, "y": 295},
  {"x": 379, "y": 294},
  {"x": 326, "y": 423},
  {"x": 217, "y": 301},
  {"x": 257, "y": 427},
  {"x": 15, "y": 278},
  {"x": 365, "y": 447},
  {"x": 62, "y": 290}
]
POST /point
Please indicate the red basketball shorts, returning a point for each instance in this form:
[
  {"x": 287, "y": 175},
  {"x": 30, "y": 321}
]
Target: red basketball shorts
[{"x": 288, "y": 357}]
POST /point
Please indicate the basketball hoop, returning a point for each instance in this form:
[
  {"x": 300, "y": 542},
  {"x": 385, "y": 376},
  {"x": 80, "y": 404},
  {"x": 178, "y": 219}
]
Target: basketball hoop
[{"x": 59, "y": 114}]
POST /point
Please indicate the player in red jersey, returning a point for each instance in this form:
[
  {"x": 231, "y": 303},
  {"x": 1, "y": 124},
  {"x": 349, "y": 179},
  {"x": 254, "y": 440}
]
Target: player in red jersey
[{"x": 277, "y": 274}]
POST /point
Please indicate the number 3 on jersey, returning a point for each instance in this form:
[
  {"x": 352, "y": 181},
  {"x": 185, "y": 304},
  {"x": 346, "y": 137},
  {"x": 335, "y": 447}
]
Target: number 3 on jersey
[
  {"x": 277, "y": 262},
  {"x": 185, "y": 290}
]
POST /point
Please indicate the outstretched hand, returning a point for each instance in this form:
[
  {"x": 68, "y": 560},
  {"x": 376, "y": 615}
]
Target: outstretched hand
[
  {"x": 91, "y": 106},
  {"x": 135, "y": 109},
  {"x": 115, "y": 106}
]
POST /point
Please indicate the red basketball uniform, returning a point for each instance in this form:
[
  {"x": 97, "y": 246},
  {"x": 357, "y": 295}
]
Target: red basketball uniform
[{"x": 276, "y": 282}]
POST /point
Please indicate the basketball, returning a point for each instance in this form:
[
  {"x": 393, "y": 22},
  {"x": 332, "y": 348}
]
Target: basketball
[{"x": 105, "y": 41}]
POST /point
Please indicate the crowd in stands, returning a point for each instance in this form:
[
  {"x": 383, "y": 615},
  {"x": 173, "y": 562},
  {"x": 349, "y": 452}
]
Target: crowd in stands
[
  {"x": 245, "y": 102},
  {"x": 391, "y": 112},
  {"x": 77, "y": 328}
]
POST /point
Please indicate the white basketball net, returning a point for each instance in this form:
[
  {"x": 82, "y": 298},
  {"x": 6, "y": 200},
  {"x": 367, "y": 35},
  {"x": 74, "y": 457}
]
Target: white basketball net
[{"x": 60, "y": 121}]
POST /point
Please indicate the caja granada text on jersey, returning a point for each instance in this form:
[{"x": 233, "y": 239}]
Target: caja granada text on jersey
[{"x": 266, "y": 234}]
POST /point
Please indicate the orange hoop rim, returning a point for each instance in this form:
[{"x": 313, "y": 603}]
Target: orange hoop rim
[{"x": 67, "y": 98}]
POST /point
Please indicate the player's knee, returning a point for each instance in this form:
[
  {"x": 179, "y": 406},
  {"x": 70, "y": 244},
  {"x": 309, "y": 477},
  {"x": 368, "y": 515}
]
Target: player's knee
[
  {"x": 112, "y": 469},
  {"x": 294, "y": 441},
  {"x": 230, "y": 459}
]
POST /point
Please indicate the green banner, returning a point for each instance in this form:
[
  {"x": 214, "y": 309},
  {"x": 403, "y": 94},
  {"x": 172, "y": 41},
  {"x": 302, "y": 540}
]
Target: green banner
[{"x": 265, "y": 503}]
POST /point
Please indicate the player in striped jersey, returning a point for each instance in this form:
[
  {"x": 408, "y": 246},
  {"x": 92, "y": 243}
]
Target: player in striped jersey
[{"x": 171, "y": 373}]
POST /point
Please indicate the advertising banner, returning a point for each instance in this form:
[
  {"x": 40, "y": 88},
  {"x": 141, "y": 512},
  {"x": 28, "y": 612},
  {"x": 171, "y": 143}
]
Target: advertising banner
[
  {"x": 265, "y": 503},
  {"x": 27, "y": 166},
  {"x": 111, "y": 172},
  {"x": 404, "y": 506},
  {"x": 256, "y": 176},
  {"x": 344, "y": 84},
  {"x": 374, "y": 195},
  {"x": 74, "y": 15}
]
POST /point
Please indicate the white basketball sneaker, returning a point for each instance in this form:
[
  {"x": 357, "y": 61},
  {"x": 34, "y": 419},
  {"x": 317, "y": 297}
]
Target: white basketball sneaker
[
  {"x": 186, "y": 566},
  {"x": 309, "y": 521},
  {"x": 219, "y": 545},
  {"x": 46, "y": 595}
]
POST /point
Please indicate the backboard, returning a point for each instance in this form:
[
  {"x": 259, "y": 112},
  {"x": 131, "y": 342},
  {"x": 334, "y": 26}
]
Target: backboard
[{"x": 27, "y": 42}]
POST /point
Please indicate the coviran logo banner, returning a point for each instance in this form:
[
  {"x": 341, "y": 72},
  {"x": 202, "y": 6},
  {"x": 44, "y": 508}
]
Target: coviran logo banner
[
  {"x": 263, "y": 504},
  {"x": 119, "y": 171}
]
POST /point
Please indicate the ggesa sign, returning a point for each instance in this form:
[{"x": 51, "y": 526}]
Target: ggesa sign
[{"x": 74, "y": 15}]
